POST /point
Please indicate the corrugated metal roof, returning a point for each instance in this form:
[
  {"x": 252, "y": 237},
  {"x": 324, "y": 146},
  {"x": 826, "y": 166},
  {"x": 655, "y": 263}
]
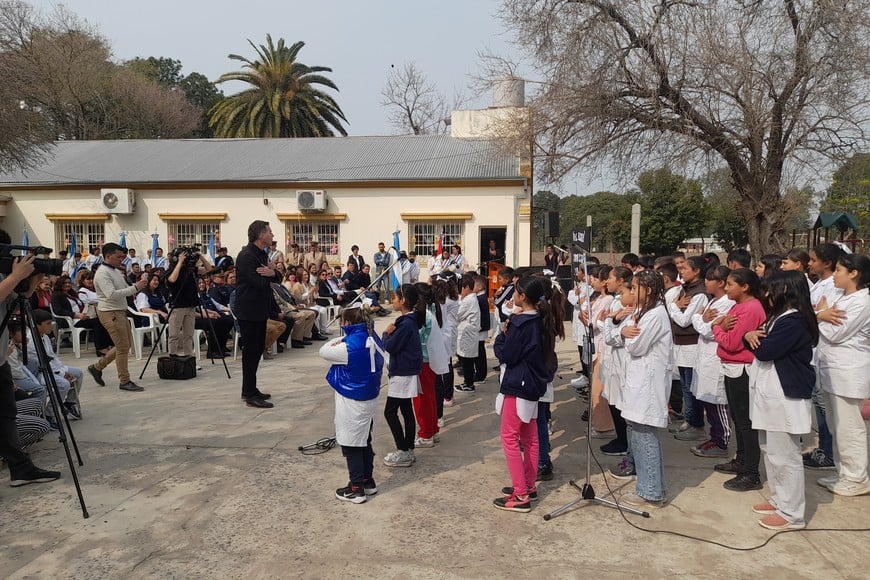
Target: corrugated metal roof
[{"x": 342, "y": 159}]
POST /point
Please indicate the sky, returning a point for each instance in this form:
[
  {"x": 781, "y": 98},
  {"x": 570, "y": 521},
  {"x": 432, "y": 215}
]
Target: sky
[{"x": 360, "y": 41}]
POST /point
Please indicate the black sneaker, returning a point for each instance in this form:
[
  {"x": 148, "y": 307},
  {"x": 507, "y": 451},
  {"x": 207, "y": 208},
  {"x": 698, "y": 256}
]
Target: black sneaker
[
  {"x": 464, "y": 389},
  {"x": 73, "y": 410},
  {"x": 513, "y": 504},
  {"x": 614, "y": 448},
  {"x": 351, "y": 494},
  {"x": 743, "y": 483},
  {"x": 729, "y": 467},
  {"x": 130, "y": 386},
  {"x": 97, "y": 374},
  {"x": 509, "y": 491},
  {"x": 370, "y": 487},
  {"x": 545, "y": 474},
  {"x": 819, "y": 461},
  {"x": 32, "y": 474}
]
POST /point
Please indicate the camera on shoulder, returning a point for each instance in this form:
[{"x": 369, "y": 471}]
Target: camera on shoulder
[
  {"x": 193, "y": 253},
  {"x": 51, "y": 266}
]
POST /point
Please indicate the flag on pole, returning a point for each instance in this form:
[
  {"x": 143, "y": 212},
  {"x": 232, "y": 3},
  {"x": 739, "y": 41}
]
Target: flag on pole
[
  {"x": 122, "y": 241},
  {"x": 154, "y": 244},
  {"x": 73, "y": 246},
  {"x": 25, "y": 241},
  {"x": 211, "y": 246},
  {"x": 395, "y": 280}
]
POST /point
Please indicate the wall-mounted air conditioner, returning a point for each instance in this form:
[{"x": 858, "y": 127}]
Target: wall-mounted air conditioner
[
  {"x": 311, "y": 200},
  {"x": 122, "y": 201}
]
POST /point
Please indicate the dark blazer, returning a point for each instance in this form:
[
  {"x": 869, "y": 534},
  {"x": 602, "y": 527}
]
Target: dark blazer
[
  {"x": 253, "y": 292},
  {"x": 790, "y": 346},
  {"x": 483, "y": 303},
  {"x": 360, "y": 261},
  {"x": 404, "y": 346}
]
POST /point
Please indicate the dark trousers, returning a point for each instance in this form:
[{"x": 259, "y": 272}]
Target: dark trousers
[
  {"x": 10, "y": 446},
  {"x": 404, "y": 437},
  {"x": 360, "y": 462},
  {"x": 619, "y": 425},
  {"x": 467, "y": 365},
  {"x": 444, "y": 388},
  {"x": 222, "y": 326},
  {"x": 480, "y": 369},
  {"x": 748, "y": 450},
  {"x": 676, "y": 399},
  {"x": 720, "y": 425},
  {"x": 252, "y": 339},
  {"x": 693, "y": 411}
]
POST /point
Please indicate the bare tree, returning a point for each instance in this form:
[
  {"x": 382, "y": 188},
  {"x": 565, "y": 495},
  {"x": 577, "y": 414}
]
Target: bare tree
[
  {"x": 415, "y": 104},
  {"x": 764, "y": 87}
]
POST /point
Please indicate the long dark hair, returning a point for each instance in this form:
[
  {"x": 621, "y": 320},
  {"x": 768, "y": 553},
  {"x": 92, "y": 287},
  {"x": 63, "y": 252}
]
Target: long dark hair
[
  {"x": 772, "y": 264},
  {"x": 860, "y": 263},
  {"x": 427, "y": 296},
  {"x": 654, "y": 284},
  {"x": 787, "y": 290},
  {"x": 410, "y": 297},
  {"x": 828, "y": 254},
  {"x": 533, "y": 289},
  {"x": 719, "y": 273},
  {"x": 445, "y": 287},
  {"x": 800, "y": 256},
  {"x": 746, "y": 277},
  {"x": 699, "y": 264}
]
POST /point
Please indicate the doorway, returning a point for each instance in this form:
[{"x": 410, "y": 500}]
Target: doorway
[{"x": 499, "y": 235}]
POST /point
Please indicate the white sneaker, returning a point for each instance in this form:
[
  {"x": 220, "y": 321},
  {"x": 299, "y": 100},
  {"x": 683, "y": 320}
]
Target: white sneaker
[
  {"x": 424, "y": 442},
  {"x": 850, "y": 488},
  {"x": 398, "y": 459},
  {"x": 441, "y": 422},
  {"x": 826, "y": 481},
  {"x": 580, "y": 382}
]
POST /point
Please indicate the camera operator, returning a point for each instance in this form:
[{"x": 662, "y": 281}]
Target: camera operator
[
  {"x": 182, "y": 287},
  {"x": 21, "y": 468}
]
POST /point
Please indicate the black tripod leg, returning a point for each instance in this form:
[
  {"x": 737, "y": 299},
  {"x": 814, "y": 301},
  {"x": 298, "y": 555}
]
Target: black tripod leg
[{"x": 156, "y": 343}]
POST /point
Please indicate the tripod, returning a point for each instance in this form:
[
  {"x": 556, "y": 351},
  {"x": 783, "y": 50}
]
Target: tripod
[
  {"x": 587, "y": 492},
  {"x": 27, "y": 323},
  {"x": 213, "y": 335}
]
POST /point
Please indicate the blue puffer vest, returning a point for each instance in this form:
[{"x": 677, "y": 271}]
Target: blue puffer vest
[{"x": 360, "y": 378}]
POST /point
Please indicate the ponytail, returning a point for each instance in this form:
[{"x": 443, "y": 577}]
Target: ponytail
[
  {"x": 427, "y": 296},
  {"x": 411, "y": 299}
]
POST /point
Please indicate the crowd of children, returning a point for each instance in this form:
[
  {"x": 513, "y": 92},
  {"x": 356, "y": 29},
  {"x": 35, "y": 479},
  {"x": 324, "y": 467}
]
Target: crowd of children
[{"x": 681, "y": 343}]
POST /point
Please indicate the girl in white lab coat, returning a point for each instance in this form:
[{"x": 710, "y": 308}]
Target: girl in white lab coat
[
  {"x": 844, "y": 373},
  {"x": 620, "y": 276},
  {"x": 781, "y": 380},
  {"x": 645, "y": 392},
  {"x": 602, "y": 421},
  {"x": 447, "y": 294},
  {"x": 467, "y": 332}
]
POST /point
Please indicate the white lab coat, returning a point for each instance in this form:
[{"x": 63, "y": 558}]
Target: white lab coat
[
  {"x": 450, "y": 317},
  {"x": 648, "y": 371},
  {"x": 708, "y": 379},
  {"x": 769, "y": 408},
  {"x": 604, "y": 368},
  {"x": 844, "y": 351},
  {"x": 599, "y": 305},
  {"x": 468, "y": 329},
  {"x": 435, "y": 346},
  {"x": 577, "y": 299},
  {"x": 618, "y": 360}
]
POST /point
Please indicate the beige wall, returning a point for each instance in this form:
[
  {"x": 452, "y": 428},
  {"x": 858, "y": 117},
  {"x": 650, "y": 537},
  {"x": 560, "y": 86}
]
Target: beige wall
[{"x": 372, "y": 214}]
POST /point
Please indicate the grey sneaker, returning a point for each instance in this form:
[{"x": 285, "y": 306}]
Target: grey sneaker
[
  {"x": 691, "y": 434},
  {"x": 398, "y": 459},
  {"x": 677, "y": 427},
  {"x": 130, "y": 386},
  {"x": 623, "y": 470}
]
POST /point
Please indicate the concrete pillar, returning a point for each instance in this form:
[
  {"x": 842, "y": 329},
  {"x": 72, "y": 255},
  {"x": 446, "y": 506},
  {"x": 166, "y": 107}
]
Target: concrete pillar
[{"x": 635, "y": 229}]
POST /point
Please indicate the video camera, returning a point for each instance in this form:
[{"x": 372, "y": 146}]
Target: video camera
[
  {"x": 51, "y": 266},
  {"x": 193, "y": 252}
]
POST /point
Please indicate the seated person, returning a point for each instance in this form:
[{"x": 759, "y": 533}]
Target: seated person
[
  {"x": 349, "y": 280},
  {"x": 220, "y": 291},
  {"x": 151, "y": 301},
  {"x": 303, "y": 319},
  {"x": 305, "y": 295},
  {"x": 41, "y": 297},
  {"x": 135, "y": 272},
  {"x": 372, "y": 298},
  {"x": 66, "y": 302},
  {"x": 330, "y": 287},
  {"x": 68, "y": 379},
  {"x": 220, "y": 319},
  {"x": 32, "y": 425},
  {"x": 277, "y": 329},
  {"x": 22, "y": 378}
]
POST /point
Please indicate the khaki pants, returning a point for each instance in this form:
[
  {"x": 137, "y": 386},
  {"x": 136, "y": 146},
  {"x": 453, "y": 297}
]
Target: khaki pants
[
  {"x": 115, "y": 323},
  {"x": 274, "y": 329},
  {"x": 303, "y": 322},
  {"x": 181, "y": 324}
]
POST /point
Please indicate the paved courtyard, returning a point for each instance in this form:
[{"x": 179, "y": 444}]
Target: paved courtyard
[{"x": 185, "y": 481}]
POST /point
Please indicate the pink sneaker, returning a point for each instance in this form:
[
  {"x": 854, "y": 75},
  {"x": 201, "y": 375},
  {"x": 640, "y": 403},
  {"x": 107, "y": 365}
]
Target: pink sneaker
[{"x": 448, "y": 402}]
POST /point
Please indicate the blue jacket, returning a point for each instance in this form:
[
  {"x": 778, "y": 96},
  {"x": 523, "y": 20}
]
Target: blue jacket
[
  {"x": 360, "y": 378},
  {"x": 527, "y": 373},
  {"x": 790, "y": 346},
  {"x": 405, "y": 348}
]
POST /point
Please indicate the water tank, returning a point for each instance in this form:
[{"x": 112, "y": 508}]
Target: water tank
[{"x": 509, "y": 92}]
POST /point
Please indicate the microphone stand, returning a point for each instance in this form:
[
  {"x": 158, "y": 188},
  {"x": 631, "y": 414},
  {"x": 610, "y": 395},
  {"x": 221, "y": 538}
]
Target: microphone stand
[
  {"x": 587, "y": 492},
  {"x": 375, "y": 282}
]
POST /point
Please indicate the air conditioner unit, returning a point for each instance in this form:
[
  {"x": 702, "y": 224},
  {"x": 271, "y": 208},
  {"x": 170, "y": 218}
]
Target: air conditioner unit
[
  {"x": 118, "y": 200},
  {"x": 311, "y": 200}
]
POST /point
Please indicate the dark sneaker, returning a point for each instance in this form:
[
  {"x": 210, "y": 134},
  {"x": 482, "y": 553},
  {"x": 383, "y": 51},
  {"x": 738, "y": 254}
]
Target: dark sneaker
[
  {"x": 709, "y": 449},
  {"x": 73, "y": 410},
  {"x": 509, "y": 491},
  {"x": 351, "y": 494},
  {"x": 743, "y": 483},
  {"x": 464, "y": 388},
  {"x": 614, "y": 448},
  {"x": 545, "y": 474},
  {"x": 819, "y": 461},
  {"x": 97, "y": 374},
  {"x": 729, "y": 467},
  {"x": 623, "y": 470},
  {"x": 513, "y": 503},
  {"x": 370, "y": 487},
  {"x": 131, "y": 386},
  {"x": 32, "y": 474}
]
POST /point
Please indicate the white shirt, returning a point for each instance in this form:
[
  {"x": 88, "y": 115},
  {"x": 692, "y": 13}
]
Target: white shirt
[
  {"x": 844, "y": 351},
  {"x": 648, "y": 370},
  {"x": 708, "y": 378}
]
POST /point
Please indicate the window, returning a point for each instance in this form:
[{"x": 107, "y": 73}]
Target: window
[
  {"x": 324, "y": 233},
  {"x": 190, "y": 233},
  {"x": 87, "y": 235},
  {"x": 424, "y": 236}
]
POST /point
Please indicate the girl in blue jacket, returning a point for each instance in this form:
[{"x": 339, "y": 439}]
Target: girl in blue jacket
[
  {"x": 402, "y": 341},
  {"x": 526, "y": 348},
  {"x": 357, "y": 363}
]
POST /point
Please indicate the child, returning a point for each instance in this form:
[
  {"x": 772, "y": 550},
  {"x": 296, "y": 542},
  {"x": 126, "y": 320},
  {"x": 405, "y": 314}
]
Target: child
[
  {"x": 526, "y": 348},
  {"x": 447, "y": 296},
  {"x": 357, "y": 363},
  {"x": 434, "y": 363},
  {"x": 504, "y": 295},
  {"x": 620, "y": 276},
  {"x": 556, "y": 301},
  {"x": 781, "y": 386},
  {"x": 577, "y": 299},
  {"x": 844, "y": 373},
  {"x": 644, "y": 395},
  {"x": 467, "y": 332},
  {"x": 708, "y": 381},
  {"x": 402, "y": 341},
  {"x": 480, "y": 287},
  {"x": 602, "y": 421},
  {"x": 747, "y": 314},
  {"x": 799, "y": 260},
  {"x": 671, "y": 278},
  {"x": 68, "y": 379}
]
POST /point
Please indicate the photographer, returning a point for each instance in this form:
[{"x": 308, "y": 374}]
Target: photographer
[
  {"x": 21, "y": 468},
  {"x": 189, "y": 263}
]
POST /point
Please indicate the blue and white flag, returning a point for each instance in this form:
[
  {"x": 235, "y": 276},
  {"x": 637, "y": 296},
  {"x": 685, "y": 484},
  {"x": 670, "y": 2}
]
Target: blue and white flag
[
  {"x": 122, "y": 241},
  {"x": 396, "y": 280},
  {"x": 25, "y": 241},
  {"x": 211, "y": 247}
]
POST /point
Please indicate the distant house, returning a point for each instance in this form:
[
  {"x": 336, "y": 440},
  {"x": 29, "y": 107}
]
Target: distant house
[
  {"x": 465, "y": 190},
  {"x": 701, "y": 246}
]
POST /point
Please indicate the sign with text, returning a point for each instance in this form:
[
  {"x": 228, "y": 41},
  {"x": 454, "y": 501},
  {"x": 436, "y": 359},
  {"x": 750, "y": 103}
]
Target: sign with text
[{"x": 581, "y": 242}]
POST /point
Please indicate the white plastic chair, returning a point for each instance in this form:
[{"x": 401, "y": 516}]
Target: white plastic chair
[
  {"x": 151, "y": 328},
  {"x": 72, "y": 330}
]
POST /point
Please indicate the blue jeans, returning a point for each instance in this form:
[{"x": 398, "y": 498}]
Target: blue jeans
[
  {"x": 544, "y": 436},
  {"x": 692, "y": 410},
  {"x": 646, "y": 450},
  {"x": 826, "y": 440}
]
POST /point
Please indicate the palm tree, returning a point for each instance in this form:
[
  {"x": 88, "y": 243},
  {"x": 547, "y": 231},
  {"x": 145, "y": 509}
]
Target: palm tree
[{"x": 283, "y": 100}]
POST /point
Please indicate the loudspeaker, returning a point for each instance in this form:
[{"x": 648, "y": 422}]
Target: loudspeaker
[{"x": 553, "y": 224}]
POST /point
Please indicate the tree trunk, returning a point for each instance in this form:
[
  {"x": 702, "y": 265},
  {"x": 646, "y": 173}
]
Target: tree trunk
[{"x": 765, "y": 221}]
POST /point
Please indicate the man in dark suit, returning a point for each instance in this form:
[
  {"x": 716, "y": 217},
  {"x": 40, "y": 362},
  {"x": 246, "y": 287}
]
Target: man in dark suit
[{"x": 254, "y": 277}]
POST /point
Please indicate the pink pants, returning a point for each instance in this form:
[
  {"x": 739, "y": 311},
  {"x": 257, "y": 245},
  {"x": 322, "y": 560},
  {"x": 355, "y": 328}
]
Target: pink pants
[
  {"x": 425, "y": 406},
  {"x": 522, "y": 465}
]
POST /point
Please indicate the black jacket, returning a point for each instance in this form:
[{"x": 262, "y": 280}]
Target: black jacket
[
  {"x": 253, "y": 292},
  {"x": 790, "y": 346},
  {"x": 483, "y": 303},
  {"x": 528, "y": 369}
]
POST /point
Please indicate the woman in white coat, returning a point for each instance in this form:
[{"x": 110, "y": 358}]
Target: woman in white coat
[
  {"x": 467, "y": 333},
  {"x": 844, "y": 373}
]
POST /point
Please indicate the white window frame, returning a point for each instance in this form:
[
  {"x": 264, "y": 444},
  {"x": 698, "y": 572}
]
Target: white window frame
[
  {"x": 189, "y": 232},
  {"x": 89, "y": 233},
  {"x": 422, "y": 235},
  {"x": 326, "y": 233}
]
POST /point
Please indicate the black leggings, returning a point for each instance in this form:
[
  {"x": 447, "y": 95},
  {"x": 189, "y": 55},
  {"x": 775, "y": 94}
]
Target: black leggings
[
  {"x": 748, "y": 449},
  {"x": 360, "y": 462},
  {"x": 619, "y": 425},
  {"x": 467, "y": 371},
  {"x": 444, "y": 388},
  {"x": 404, "y": 438}
]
